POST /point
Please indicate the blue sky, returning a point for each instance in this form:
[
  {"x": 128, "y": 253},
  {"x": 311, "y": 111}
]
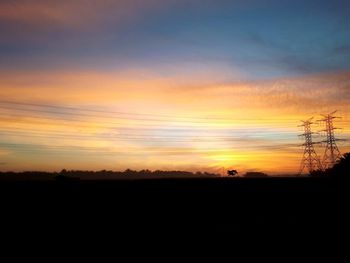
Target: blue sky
[
  {"x": 261, "y": 39},
  {"x": 258, "y": 67}
]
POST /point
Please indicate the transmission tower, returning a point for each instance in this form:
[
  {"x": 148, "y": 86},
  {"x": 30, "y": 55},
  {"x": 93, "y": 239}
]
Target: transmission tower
[
  {"x": 310, "y": 159},
  {"x": 331, "y": 153}
]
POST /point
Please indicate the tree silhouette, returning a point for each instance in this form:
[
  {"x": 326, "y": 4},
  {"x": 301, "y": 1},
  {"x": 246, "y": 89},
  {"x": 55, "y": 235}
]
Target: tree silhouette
[
  {"x": 340, "y": 170},
  {"x": 232, "y": 172},
  {"x": 342, "y": 167},
  {"x": 255, "y": 174}
]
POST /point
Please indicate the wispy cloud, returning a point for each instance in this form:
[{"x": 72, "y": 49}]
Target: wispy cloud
[
  {"x": 77, "y": 14},
  {"x": 247, "y": 124},
  {"x": 344, "y": 49},
  {"x": 192, "y": 84}
]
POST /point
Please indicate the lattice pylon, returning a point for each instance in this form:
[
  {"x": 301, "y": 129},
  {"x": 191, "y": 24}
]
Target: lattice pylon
[
  {"x": 331, "y": 154},
  {"x": 310, "y": 160}
]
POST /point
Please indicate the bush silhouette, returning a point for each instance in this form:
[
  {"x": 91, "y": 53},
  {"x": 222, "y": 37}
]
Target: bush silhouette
[
  {"x": 340, "y": 170},
  {"x": 342, "y": 167},
  {"x": 255, "y": 174}
]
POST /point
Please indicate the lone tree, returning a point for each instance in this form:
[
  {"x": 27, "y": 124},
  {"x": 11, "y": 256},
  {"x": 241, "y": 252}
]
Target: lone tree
[{"x": 232, "y": 172}]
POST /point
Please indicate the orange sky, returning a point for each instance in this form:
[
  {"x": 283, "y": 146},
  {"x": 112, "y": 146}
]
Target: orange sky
[
  {"x": 93, "y": 120},
  {"x": 177, "y": 84}
]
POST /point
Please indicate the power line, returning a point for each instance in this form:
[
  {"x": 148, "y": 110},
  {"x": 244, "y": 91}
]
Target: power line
[
  {"x": 171, "y": 132},
  {"x": 125, "y": 113},
  {"x": 95, "y": 123},
  {"x": 73, "y": 117},
  {"x": 31, "y": 146},
  {"x": 125, "y": 136},
  {"x": 144, "y": 127},
  {"x": 80, "y": 112},
  {"x": 63, "y": 116}
]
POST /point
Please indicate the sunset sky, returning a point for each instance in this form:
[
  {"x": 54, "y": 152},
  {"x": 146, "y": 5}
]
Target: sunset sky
[{"x": 196, "y": 85}]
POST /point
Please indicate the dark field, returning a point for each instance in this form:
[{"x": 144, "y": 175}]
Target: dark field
[{"x": 238, "y": 208}]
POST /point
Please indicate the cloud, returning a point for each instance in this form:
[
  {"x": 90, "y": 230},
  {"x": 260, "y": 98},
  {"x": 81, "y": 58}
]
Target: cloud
[
  {"x": 103, "y": 34},
  {"x": 235, "y": 61},
  {"x": 66, "y": 13},
  {"x": 306, "y": 94},
  {"x": 198, "y": 92},
  {"x": 72, "y": 23},
  {"x": 344, "y": 49}
]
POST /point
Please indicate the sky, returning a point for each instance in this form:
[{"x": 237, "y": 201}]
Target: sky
[{"x": 173, "y": 85}]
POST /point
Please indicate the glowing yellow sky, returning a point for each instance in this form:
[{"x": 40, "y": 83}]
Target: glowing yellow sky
[
  {"x": 90, "y": 120},
  {"x": 175, "y": 84}
]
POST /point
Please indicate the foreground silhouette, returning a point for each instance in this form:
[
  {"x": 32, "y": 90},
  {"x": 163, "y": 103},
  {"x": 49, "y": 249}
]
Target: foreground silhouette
[
  {"x": 232, "y": 172},
  {"x": 255, "y": 175},
  {"x": 65, "y": 175},
  {"x": 340, "y": 170},
  {"x": 248, "y": 209}
]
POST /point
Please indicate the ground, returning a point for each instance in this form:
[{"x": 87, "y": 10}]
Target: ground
[{"x": 239, "y": 207}]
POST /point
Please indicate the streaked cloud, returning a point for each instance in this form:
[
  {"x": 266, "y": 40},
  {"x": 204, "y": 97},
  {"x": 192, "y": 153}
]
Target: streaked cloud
[
  {"x": 76, "y": 14},
  {"x": 164, "y": 120},
  {"x": 177, "y": 84}
]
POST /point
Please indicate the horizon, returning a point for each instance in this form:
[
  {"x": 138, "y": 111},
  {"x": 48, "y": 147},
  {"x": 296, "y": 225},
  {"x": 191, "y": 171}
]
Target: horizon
[
  {"x": 183, "y": 85},
  {"x": 239, "y": 174}
]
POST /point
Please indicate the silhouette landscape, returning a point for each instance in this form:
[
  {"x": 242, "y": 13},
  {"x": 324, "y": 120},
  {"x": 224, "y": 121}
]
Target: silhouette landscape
[
  {"x": 177, "y": 118},
  {"x": 169, "y": 204}
]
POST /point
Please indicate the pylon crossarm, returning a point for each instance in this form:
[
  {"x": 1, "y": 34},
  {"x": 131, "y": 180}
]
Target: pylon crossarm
[{"x": 310, "y": 159}]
